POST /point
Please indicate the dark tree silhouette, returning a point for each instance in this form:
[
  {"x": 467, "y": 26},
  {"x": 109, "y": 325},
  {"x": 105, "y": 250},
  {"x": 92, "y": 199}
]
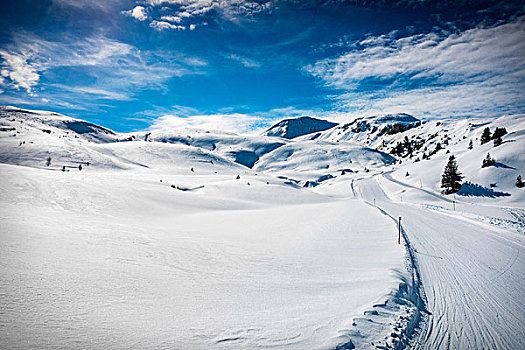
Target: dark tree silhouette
[
  {"x": 499, "y": 132},
  {"x": 519, "y": 182},
  {"x": 451, "y": 178},
  {"x": 485, "y": 136},
  {"x": 488, "y": 161}
]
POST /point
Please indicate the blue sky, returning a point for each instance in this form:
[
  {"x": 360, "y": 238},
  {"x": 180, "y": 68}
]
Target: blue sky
[{"x": 239, "y": 65}]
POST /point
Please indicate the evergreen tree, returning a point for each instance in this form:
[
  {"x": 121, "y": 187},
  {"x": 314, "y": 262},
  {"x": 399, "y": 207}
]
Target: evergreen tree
[
  {"x": 519, "y": 182},
  {"x": 485, "y": 136},
  {"x": 499, "y": 132},
  {"x": 470, "y": 145},
  {"x": 497, "y": 141},
  {"x": 488, "y": 161},
  {"x": 451, "y": 178}
]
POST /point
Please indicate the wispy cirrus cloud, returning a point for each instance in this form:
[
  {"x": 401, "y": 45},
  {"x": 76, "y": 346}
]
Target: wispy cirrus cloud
[
  {"x": 104, "y": 68},
  {"x": 477, "y": 71},
  {"x": 244, "y": 61}
]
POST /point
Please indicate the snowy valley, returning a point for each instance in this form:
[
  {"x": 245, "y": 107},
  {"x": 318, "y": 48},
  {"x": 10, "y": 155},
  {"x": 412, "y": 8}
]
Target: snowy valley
[{"x": 198, "y": 239}]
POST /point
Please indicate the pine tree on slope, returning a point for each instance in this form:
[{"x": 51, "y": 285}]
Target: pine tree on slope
[
  {"x": 451, "y": 178},
  {"x": 485, "y": 136}
]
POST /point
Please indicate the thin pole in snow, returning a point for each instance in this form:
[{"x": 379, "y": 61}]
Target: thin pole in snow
[
  {"x": 454, "y": 203},
  {"x": 374, "y": 201},
  {"x": 399, "y": 232},
  {"x": 420, "y": 183}
]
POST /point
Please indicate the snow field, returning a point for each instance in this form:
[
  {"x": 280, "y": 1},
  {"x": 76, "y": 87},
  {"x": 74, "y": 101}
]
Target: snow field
[{"x": 118, "y": 259}]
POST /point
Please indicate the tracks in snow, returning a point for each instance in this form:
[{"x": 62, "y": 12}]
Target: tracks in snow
[{"x": 472, "y": 276}]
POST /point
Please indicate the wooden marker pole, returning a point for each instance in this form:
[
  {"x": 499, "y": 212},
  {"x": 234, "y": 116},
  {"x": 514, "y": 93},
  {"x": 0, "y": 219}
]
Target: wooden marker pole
[
  {"x": 454, "y": 203},
  {"x": 399, "y": 232}
]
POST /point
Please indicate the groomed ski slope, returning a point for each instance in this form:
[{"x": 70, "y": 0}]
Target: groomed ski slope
[{"x": 472, "y": 271}]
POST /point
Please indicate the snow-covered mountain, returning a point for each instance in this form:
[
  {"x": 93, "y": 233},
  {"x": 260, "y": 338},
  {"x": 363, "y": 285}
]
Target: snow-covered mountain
[
  {"x": 292, "y": 128},
  {"x": 30, "y": 137},
  {"x": 419, "y": 148},
  {"x": 194, "y": 238},
  {"x": 423, "y": 148}
]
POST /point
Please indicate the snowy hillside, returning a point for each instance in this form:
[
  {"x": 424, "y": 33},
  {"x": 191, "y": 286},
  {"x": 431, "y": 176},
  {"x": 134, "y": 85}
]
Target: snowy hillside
[
  {"x": 423, "y": 148},
  {"x": 292, "y": 128},
  {"x": 193, "y": 238}
]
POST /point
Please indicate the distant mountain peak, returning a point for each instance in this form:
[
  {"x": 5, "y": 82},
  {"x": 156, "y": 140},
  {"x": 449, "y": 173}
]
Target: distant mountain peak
[{"x": 295, "y": 127}]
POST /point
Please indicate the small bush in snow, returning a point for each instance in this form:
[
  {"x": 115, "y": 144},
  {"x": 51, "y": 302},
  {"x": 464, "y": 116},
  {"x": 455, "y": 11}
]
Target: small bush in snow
[
  {"x": 238, "y": 177},
  {"x": 407, "y": 174},
  {"x": 488, "y": 161},
  {"x": 519, "y": 182},
  {"x": 48, "y": 161},
  {"x": 497, "y": 141},
  {"x": 470, "y": 145}
]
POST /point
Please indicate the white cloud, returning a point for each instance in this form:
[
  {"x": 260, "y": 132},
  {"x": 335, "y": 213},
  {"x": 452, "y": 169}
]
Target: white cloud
[
  {"x": 236, "y": 122},
  {"x": 139, "y": 13},
  {"x": 481, "y": 70},
  {"x": 22, "y": 75},
  {"x": 184, "y": 10},
  {"x": 174, "y": 19},
  {"x": 160, "y": 25}
]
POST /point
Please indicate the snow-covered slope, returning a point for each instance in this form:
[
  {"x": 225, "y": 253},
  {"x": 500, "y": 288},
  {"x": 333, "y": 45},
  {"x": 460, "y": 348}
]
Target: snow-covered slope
[
  {"x": 423, "y": 149},
  {"x": 371, "y": 129},
  {"x": 166, "y": 240},
  {"x": 291, "y": 128},
  {"x": 314, "y": 159},
  {"x": 455, "y": 136},
  {"x": 31, "y": 137},
  {"x": 206, "y": 239}
]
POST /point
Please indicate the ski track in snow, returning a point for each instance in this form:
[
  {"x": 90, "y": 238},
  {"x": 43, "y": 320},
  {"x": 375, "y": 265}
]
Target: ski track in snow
[{"x": 472, "y": 276}]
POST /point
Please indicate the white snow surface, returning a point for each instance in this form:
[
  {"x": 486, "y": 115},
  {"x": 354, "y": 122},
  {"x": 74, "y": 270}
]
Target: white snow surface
[{"x": 198, "y": 239}]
